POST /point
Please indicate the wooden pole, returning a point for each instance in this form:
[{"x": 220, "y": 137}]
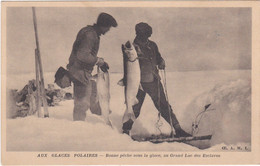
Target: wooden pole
[
  {"x": 42, "y": 89},
  {"x": 35, "y": 29},
  {"x": 37, "y": 85},
  {"x": 38, "y": 55}
]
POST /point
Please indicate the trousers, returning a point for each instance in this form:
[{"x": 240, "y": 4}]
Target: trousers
[
  {"x": 155, "y": 91},
  {"x": 85, "y": 97}
]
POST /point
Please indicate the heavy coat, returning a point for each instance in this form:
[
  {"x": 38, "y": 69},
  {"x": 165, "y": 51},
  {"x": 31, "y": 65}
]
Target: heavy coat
[
  {"x": 84, "y": 55},
  {"x": 149, "y": 58}
]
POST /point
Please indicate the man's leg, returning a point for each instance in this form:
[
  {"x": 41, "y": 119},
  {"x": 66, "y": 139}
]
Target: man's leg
[
  {"x": 94, "y": 103},
  {"x": 155, "y": 90},
  {"x": 127, "y": 126},
  {"x": 81, "y": 101}
]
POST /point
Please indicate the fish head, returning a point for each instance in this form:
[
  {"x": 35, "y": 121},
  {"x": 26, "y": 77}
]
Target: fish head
[{"x": 129, "y": 51}]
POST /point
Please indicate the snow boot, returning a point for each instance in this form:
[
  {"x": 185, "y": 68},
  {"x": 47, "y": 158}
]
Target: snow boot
[
  {"x": 126, "y": 132},
  {"x": 127, "y": 126}
]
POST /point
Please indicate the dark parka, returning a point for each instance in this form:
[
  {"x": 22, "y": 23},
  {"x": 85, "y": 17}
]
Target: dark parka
[
  {"x": 84, "y": 54},
  {"x": 150, "y": 57}
]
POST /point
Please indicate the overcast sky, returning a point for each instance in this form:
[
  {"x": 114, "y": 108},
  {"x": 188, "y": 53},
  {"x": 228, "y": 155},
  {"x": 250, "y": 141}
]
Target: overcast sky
[{"x": 188, "y": 38}]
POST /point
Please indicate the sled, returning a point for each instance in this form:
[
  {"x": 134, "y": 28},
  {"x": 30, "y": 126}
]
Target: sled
[
  {"x": 164, "y": 138},
  {"x": 192, "y": 140}
]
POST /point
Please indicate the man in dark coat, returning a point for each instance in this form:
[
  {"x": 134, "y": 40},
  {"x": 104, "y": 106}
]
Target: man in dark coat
[
  {"x": 82, "y": 60},
  {"x": 149, "y": 59}
]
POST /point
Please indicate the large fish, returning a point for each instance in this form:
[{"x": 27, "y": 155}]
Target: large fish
[
  {"x": 103, "y": 94},
  {"x": 131, "y": 79}
]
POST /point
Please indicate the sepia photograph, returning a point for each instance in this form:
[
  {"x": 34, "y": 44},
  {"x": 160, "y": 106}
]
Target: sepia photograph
[{"x": 93, "y": 81}]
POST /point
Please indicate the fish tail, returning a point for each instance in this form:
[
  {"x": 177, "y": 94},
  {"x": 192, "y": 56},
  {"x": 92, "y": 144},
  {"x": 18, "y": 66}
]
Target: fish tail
[
  {"x": 129, "y": 115},
  {"x": 132, "y": 116},
  {"x": 108, "y": 122},
  {"x": 121, "y": 82}
]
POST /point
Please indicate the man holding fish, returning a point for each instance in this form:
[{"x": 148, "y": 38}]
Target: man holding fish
[
  {"x": 141, "y": 75},
  {"x": 149, "y": 59},
  {"x": 82, "y": 60}
]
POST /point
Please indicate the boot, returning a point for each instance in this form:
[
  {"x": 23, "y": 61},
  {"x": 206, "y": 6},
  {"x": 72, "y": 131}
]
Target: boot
[
  {"x": 127, "y": 126},
  {"x": 126, "y": 132},
  {"x": 180, "y": 132}
]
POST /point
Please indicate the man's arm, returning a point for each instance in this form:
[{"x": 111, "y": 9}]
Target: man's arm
[
  {"x": 160, "y": 60},
  {"x": 85, "y": 52}
]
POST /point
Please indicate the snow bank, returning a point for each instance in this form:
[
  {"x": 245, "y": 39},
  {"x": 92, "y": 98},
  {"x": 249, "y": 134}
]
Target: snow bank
[
  {"x": 60, "y": 133},
  {"x": 228, "y": 91},
  {"x": 229, "y": 116}
]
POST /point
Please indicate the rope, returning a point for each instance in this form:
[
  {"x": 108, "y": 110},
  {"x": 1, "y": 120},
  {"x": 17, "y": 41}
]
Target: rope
[
  {"x": 195, "y": 124},
  {"x": 167, "y": 99},
  {"x": 136, "y": 59},
  {"x": 132, "y": 60},
  {"x": 158, "y": 124}
]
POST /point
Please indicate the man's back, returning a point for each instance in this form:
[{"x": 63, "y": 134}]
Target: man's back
[{"x": 87, "y": 39}]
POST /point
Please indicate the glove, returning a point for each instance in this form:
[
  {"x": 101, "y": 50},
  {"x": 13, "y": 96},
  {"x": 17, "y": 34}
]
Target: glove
[
  {"x": 100, "y": 62},
  {"x": 104, "y": 67},
  {"x": 138, "y": 49},
  {"x": 161, "y": 66}
]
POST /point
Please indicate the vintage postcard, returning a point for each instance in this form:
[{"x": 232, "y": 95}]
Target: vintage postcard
[{"x": 121, "y": 82}]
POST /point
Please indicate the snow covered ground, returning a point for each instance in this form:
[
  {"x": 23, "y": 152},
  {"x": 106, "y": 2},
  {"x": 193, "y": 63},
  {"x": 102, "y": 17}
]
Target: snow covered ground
[{"x": 228, "y": 118}]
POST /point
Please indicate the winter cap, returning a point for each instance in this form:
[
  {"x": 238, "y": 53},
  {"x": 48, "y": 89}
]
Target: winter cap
[
  {"x": 143, "y": 29},
  {"x": 106, "y": 20}
]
